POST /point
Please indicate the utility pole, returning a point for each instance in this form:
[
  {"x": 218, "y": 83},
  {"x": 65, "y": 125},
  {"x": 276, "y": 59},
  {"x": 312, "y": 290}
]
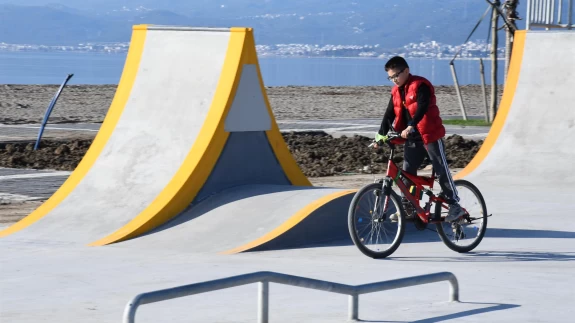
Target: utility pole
[
  {"x": 494, "y": 42},
  {"x": 511, "y": 16}
]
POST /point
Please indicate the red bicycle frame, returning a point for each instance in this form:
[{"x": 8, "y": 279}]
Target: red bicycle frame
[{"x": 395, "y": 174}]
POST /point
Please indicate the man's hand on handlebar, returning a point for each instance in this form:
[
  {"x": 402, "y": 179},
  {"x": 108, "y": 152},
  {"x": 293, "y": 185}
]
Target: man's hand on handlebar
[
  {"x": 379, "y": 140},
  {"x": 406, "y": 132}
]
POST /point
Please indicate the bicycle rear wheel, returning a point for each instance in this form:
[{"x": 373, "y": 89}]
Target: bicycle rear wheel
[
  {"x": 370, "y": 227},
  {"x": 465, "y": 234}
]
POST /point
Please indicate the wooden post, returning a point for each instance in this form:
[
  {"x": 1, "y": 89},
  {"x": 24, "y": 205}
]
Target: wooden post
[
  {"x": 510, "y": 16},
  {"x": 456, "y": 82},
  {"x": 494, "y": 43},
  {"x": 482, "y": 74},
  {"x": 508, "y": 46}
]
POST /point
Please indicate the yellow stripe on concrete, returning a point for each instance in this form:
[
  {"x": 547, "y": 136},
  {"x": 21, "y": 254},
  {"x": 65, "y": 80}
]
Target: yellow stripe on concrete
[
  {"x": 504, "y": 107},
  {"x": 110, "y": 121},
  {"x": 204, "y": 154},
  {"x": 291, "y": 222}
]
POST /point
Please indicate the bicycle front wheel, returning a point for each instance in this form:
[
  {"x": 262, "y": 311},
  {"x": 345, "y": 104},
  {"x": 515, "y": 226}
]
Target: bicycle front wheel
[
  {"x": 370, "y": 226},
  {"x": 465, "y": 234}
]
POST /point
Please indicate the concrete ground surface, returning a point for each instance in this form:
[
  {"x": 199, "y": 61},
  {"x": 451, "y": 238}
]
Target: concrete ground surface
[{"x": 519, "y": 273}]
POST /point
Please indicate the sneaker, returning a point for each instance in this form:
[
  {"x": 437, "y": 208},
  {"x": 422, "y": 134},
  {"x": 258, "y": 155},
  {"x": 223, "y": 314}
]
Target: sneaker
[
  {"x": 455, "y": 212},
  {"x": 394, "y": 217},
  {"x": 406, "y": 204}
]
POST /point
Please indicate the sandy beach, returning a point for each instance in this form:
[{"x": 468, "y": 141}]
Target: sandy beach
[{"x": 21, "y": 104}]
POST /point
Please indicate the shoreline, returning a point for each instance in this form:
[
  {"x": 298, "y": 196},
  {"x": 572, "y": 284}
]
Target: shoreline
[{"x": 260, "y": 55}]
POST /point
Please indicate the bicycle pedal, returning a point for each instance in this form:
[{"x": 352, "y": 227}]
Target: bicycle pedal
[{"x": 435, "y": 221}]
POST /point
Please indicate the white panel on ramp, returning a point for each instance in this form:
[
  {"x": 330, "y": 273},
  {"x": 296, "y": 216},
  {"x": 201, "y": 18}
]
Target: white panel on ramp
[{"x": 249, "y": 111}]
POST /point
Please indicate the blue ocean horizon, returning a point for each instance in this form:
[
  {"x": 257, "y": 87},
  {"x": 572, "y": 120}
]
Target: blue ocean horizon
[{"x": 103, "y": 68}]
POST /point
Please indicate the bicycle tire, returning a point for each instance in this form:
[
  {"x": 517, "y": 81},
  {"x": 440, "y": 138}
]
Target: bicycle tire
[
  {"x": 479, "y": 238},
  {"x": 352, "y": 223}
]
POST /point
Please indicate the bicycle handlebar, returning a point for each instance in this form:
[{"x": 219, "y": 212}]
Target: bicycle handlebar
[{"x": 390, "y": 136}]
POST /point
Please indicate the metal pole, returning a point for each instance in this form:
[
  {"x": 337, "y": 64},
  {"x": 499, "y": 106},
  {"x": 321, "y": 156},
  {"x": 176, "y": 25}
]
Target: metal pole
[
  {"x": 49, "y": 110},
  {"x": 552, "y": 12},
  {"x": 354, "y": 307},
  {"x": 559, "y": 15},
  {"x": 453, "y": 290},
  {"x": 458, "y": 91},
  {"x": 263, "y": 302},
  {"x": 529, "y": 5},
  {"x": 494, "y": 43},
  {"x": 570, "y": 17},
  {"x": 540, "y": 11},
  {"x": 482, "y": 73},
  {"x": 549, "y": 3},
  {"x": 264, "y": 278},
  {"x": 130, "y": 310},
  {"x": 510, "y": 28}
]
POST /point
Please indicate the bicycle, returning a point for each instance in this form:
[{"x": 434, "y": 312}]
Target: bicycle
[{"x": 378, "y": 214}]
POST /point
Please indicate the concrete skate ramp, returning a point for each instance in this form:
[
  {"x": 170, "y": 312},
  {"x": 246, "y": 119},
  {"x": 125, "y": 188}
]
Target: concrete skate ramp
[
  {"x": 163, "y": 134},
  {"x": 190, "y": 127},
  {"x": 253, "y": 218},
  {"x": 529, "y": 153}
]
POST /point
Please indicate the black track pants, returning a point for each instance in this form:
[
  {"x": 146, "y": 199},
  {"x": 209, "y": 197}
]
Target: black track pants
[{"x": 413, "y": 156}]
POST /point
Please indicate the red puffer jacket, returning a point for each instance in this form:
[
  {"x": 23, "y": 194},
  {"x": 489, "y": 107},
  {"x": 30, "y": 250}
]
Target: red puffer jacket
[{"x": 431, "y": 126}]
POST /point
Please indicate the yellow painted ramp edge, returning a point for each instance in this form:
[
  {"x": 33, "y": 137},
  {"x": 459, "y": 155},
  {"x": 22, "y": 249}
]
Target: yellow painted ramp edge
[
  {"x": 291, "y": 222},
  {"x": 121, "y": 97},
  {"x": 504, "y": 108},
  {"x": 203, "y": 155}
]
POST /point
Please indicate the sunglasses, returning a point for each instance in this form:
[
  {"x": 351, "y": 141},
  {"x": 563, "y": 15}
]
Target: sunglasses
[{"x": 396, "y": 75}]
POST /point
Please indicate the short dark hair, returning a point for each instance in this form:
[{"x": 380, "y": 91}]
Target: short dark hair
[{"x": 396, "y": 62}]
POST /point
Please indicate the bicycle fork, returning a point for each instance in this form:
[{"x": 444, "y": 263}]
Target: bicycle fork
[{"x": 386, "y": 190}]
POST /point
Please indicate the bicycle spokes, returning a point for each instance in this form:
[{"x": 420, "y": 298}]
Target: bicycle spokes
[
  {"x": 465, "y": 233},
  {"x": 373, "y": 226}
]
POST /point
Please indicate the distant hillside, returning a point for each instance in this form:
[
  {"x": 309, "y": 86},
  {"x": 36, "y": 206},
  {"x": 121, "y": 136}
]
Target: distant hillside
[{"x": 390, "y": 23}]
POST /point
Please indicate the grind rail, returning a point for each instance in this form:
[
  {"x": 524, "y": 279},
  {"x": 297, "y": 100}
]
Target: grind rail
[{"x": 264, "y": 278}]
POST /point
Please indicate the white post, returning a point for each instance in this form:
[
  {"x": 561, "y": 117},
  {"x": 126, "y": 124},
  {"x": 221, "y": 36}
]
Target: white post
[
  {"x": 353, "y": 307},
  {"x": 528, "y": 19},
  {"x": 570, "y": 17},
  {"x": 456, "y": 82},
  {"x": 263, "y": 302},
  {"x": 482, "y": 74}
]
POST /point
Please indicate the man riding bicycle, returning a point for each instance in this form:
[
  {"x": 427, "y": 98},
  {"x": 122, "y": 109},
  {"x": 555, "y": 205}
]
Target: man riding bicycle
[{"x": 413, "y": 111}]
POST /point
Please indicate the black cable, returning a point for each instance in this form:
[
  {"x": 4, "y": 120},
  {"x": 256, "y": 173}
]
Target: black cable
[{"x": 473, "y": 31}]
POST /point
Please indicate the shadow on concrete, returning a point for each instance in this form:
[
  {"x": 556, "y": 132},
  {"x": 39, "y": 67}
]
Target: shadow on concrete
[
  {"x": 413, "y": 235},
  {"x": 227, "y": 196},
  {"x": 430, "y": 235},
  {"x": 496, "y": 256},
  {"x": 493, "y": 308},
  {"x": 528, "y": 234}
]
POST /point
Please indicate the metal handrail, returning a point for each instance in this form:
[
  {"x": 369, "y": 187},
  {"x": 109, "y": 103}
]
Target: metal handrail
[
  {"x": 264, "y": 278},
  {"x": 543, "y": 13}
]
